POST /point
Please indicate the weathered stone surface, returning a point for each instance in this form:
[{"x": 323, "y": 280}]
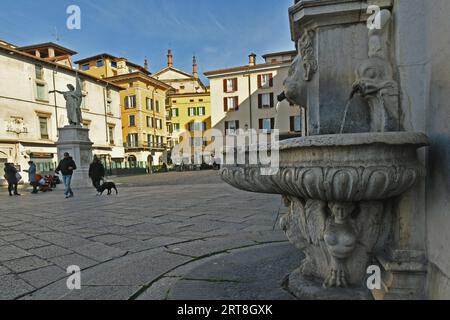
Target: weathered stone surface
[
  {"x": 10, "y": 252},
  {"x": 11, "y": 287},
  {"x": 44, "y": 276}
]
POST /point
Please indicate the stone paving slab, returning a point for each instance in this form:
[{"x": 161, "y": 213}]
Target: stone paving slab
[{"x": 125, "y": 243}]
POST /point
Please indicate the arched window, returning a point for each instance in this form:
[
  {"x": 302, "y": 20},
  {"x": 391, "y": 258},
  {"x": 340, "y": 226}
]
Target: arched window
[{"x": 132, "y": 160}]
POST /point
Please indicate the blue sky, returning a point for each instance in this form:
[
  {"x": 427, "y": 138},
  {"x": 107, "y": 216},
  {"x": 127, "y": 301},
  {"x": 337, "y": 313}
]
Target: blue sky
[{"x": 221, "y": 33}]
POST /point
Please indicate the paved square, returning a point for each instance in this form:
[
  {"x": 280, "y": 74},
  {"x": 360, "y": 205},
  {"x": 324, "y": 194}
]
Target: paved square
[{"x": 124, "y": 243}]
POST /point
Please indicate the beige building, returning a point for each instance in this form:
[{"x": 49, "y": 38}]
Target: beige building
[
  {"x": 245, "y": 97},
  {"x": 30, "y": 116},
  {"x": 143, "y": 107}
]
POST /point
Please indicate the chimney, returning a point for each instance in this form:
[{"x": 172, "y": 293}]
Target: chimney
[
  {"x": 252, "y": 59},
  {"x": 169, "y": 58},
  {"x": 194, "y": 67},
  {"x": 146, "y": 64}
]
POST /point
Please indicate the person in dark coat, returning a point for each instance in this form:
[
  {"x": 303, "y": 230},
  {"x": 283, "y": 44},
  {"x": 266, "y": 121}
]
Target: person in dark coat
[
  {"x": 32, "y": 176},
  {"x": 11, "y": 177},
  {"x": 66, "y": 167},
  {"x": 96, "y": 172}
]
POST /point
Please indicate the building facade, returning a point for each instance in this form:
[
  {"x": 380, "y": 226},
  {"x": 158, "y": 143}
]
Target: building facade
[
  {"x": 189, "y": 106},
  {"x": 143, "y": 107},
  {"x": 245, "y": 97},
  {"x": 30, "y": 116}
]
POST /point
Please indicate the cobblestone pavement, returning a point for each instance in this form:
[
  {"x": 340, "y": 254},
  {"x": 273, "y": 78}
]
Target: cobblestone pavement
[{"x": 128, "y": 246}]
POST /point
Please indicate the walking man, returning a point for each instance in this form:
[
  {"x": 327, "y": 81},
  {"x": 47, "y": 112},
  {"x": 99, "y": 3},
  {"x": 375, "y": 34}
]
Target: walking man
[
  {"x": 32, "y": 176},
  {"x": 66, "y": 167}
]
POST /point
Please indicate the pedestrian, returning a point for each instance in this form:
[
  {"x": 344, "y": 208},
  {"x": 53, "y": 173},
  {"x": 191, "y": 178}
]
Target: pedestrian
[
  {"x": 11, "y": 176},
  {"x": 66, "y": 167},
  {"x": 96, "y": 172},
  {"x": 32, "y": 176}
]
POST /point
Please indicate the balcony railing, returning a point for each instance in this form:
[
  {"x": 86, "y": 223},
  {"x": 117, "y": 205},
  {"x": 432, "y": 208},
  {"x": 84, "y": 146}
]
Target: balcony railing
[{"x": 144, "y": 146}]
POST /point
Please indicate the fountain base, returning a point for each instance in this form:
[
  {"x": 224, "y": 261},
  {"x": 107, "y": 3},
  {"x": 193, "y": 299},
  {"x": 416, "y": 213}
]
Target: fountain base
[{"x": 308, "y": 288}]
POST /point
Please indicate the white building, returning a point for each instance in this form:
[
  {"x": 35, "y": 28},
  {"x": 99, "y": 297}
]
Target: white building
[
  {"x": 245, "y": 97},
  {"x": 30, "y": 116}
]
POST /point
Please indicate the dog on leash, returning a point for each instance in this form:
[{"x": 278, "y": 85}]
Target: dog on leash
[{"x": 107, "y": 186}]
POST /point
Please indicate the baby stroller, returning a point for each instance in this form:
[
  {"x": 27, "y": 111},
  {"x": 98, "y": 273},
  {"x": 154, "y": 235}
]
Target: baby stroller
[
  {"x": 52, "y": 181},
  {"x": 42, "y": 184}
]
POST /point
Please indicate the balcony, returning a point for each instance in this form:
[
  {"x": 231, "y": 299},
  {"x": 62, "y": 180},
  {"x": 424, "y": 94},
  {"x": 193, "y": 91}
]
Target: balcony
[{"x": 130, "y": 147}]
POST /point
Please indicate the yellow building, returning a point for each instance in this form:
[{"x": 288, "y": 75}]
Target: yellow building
[
  {"x": 143, "y": 105},
  {"x": 189, "y": 105}
]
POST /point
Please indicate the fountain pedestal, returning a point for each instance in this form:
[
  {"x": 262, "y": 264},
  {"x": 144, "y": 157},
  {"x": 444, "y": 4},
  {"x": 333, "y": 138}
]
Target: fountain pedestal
[
  {"x": 340, "y": 191},
  {"x": 75, "y": 140}
]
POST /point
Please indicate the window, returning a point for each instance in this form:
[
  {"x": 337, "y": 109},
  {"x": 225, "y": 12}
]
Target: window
[
  {"x": 197, "y": 126},
  {"x": 231, "y": 103},
  {"x": 157, "y": 106},
  {"x": 296, "y": 123},
  {"x": 83, "y": 102},
  {"x": 231, "y": 127},
  {"x": 265, "y": 100},
  {"x": 132, "y": 140},
  {"x": 230, "y": 85},
  {"x": 265, "y": 80},
  {"x": 192, "y": 100},
  {"x": 41, "y": 92},
  {"x": 111, "y": 134},
  {"x": 159, "y": 124},
  {"x": 197, "y": 142},
  {"x": 109, "y": 107},
  {"x": 85, "y": 67},
  {"x": 39, "y": 72},
  {"x": 99, "y": 63},
  {"x": 132, "y": 120},
  {"x": 192, "y": 112},
  {"x": 267, "y": 124},
  {"x": 114, "y": 64},
  {"x": 130, "y": 102},
  {"x": 200, "y": 100},
  {"x": 43, "y": 123},
  {"x": 176, "y": 127},
  {"x": 182, "y": 87},
  {"x": 149, "y": 103},
  {"x": 149, "y": 122},
  {"x": 201, "y": 111},
  {"x": 175, "y": 112}
]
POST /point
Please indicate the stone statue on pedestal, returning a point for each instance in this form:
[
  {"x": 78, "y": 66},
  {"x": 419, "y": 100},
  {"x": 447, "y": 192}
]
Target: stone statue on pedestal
[{"x": 73, "y": 98}]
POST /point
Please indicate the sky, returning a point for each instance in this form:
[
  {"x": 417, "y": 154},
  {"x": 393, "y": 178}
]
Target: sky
[{"x": 221, "y": 33}]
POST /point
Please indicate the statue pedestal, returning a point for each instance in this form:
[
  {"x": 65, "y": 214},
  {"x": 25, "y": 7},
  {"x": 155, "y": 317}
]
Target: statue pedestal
[{"x": 75, "y": 140}]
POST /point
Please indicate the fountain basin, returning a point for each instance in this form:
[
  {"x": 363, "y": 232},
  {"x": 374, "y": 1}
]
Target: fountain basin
[{"x": 347, "y": 167}]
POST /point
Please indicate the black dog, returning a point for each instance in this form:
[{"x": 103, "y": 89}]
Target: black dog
[{"x": 107, "y": 186}]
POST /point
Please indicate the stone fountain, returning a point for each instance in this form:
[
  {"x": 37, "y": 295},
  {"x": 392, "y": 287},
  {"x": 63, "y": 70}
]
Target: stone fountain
[{"x": 342, "y": 189}]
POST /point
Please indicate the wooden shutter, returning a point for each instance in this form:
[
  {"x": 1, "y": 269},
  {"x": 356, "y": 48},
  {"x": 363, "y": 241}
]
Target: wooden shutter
[
  {"x": 292, "y": 125},
  {"x": 271, "y": 80},
  {"x": 237, "y": 124},
  {"x": 235, "y": 84},
  {"x": 259, "y": 81},
  {"x": 225, "y": 104},
  {"x": 236, "y": 103},
  {"x": 260, "y": 124},
  {"x": 126, "y": 102},
  {"x": 271, "y": 100},
  {"x": 272, "y": 123},
  {"x": 226, "y": 126},
  {"x": 260, "y": 101},
  {"x": 224, "y": 85}
]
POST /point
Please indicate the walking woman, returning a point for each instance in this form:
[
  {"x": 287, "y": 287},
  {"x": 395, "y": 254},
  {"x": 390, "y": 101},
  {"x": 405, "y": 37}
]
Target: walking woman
[
  {"x": 11, "y": 177},
  {"x": 96, "y": 172}
]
